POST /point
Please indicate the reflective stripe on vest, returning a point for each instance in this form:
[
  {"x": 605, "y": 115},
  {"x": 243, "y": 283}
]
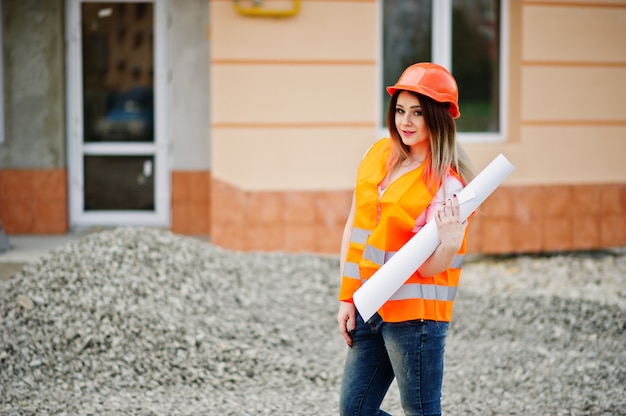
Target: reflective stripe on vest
[
  {"x": 359, "y": 235},
  {"x": 351, "y": 270},
  {"x": 457, "y": 262},
  {"x": 424, "y": 291},
  {"x": 376, "y": 255}
]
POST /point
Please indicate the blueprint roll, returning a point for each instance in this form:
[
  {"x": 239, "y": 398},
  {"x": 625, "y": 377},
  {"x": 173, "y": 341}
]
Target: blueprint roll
[{"x": 392, "y": 275}]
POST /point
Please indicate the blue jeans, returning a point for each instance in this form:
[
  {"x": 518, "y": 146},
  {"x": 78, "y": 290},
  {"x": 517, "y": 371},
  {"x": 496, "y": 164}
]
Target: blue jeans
[{"x": 411, "y": 351}]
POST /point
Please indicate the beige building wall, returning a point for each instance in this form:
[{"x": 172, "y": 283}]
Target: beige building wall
[
  {"x": 287, "y": 91},
  {"x": 293, "y": 108}
]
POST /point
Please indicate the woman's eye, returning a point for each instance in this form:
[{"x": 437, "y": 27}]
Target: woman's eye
[
  {"x": 399, "y": 111},
  {"x": 417, "y": 113}
]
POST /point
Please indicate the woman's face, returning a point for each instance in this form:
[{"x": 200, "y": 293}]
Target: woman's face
[{"x": 410, "y": 122}]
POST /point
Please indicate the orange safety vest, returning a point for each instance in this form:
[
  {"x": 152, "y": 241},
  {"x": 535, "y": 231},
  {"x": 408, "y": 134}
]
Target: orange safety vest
[{"x": 382, "y": 227}]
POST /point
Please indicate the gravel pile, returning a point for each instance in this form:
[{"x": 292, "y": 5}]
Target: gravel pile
[{"x": 145, "y": 322}]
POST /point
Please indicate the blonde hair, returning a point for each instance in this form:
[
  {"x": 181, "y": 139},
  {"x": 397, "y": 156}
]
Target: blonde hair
[{"x": 445, "y": 153}]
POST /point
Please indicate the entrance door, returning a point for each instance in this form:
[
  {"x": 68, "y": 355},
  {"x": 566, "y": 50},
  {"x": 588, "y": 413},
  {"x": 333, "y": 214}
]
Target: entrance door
[{"x": 116, "y": 121}]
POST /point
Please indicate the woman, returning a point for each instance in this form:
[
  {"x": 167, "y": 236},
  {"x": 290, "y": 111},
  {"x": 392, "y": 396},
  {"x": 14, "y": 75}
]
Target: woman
[{"x": 402, "y": 183}]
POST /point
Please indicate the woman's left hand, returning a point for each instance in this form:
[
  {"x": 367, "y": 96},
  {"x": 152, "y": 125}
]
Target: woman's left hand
[
  {"x": 451, "y": 229},
  {"x": 346, "y": 318}
]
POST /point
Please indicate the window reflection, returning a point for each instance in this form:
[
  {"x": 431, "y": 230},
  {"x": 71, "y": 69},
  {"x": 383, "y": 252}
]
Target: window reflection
[{"x": 129, "y": 117}]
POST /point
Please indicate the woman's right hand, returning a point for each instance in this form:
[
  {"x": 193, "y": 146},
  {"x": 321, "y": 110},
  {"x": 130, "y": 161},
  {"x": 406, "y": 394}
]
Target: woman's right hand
[{"x": 346, "y": 318}]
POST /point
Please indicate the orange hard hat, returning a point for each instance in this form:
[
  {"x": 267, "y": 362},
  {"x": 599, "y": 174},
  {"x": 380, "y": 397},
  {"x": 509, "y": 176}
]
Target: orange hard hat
[{"x": 431, "y": 80}]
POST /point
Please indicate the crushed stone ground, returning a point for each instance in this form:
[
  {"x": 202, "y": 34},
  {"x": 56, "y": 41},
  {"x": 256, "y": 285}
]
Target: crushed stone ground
[{"x": 137, "y": 321}]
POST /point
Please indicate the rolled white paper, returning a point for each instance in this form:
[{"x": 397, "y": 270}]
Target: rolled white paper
[{"x": 392, "y": 275}]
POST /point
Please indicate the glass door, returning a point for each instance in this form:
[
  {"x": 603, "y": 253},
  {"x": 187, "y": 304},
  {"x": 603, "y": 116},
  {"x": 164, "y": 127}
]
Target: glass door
[{"x": 116, "y": 126}]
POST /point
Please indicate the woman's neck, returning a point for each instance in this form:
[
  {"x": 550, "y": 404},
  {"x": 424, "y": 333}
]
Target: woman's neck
[{"x": 417, "y": 154}]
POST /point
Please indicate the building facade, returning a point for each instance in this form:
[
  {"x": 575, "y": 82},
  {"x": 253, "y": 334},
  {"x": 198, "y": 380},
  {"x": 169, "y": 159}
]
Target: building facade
[{"x": 245, "y": 121}]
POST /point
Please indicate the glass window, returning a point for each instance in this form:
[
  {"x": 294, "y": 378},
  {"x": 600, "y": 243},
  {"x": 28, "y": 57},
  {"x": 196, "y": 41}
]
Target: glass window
[
  {"x": 476, "y": 64},
  {"x": 467, "y": 38},
  {"x": 118, "y": 71},
  {"x": 124, "y": 183}
]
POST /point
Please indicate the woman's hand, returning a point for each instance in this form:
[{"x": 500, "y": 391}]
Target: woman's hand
[
  {"x": 451, "y": 229},
  {"x": 346, "y": 318},
  {"x": 451, "y": 233}
]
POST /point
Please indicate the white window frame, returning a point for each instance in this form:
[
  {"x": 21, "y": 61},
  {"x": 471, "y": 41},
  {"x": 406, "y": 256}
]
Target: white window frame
[
  {"x": 160, "y": 217},
  {"x": 442, "y": 55}
]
